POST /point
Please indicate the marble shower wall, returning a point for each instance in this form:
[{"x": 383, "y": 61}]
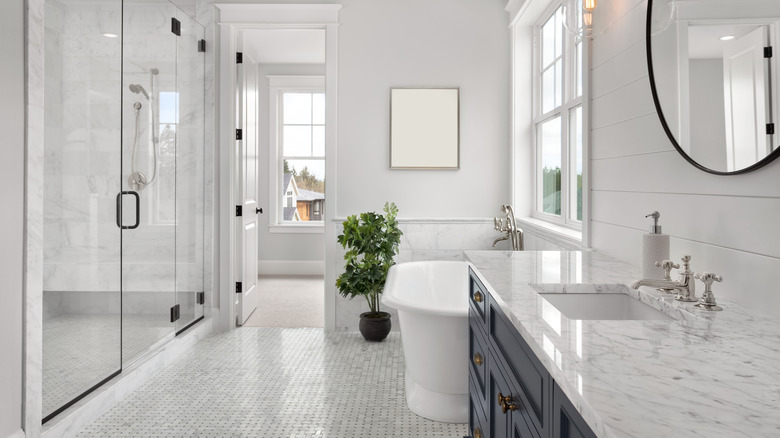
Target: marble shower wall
[
  {"x": 86, "y": 149},
  {"x": 82, "y": 145}
]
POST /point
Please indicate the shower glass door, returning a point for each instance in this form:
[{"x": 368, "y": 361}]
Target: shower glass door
[
  {"x": 82, "y": 166},
  {"x": 189, "y": 172},
  {"x": 123, "y": 228},
  {"x": 150, "y": 117}
]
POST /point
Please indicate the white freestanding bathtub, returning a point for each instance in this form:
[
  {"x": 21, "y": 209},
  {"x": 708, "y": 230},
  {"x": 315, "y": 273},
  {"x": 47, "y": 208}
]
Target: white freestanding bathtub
[{"x": 432, "y": 302}]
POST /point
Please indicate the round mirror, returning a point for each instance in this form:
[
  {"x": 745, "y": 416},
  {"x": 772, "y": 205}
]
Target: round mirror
[{"x": 714, "y": 77}]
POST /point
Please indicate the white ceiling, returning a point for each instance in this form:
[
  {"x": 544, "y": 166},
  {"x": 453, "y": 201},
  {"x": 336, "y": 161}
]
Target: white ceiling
[
  {"x": 704, "y": 40},
  {"x": 285, "y": 46}
]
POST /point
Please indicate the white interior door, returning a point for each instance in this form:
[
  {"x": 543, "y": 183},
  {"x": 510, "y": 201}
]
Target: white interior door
[
  {"x": 247, "y": 295},
  {"x": 746, "y": 99}
]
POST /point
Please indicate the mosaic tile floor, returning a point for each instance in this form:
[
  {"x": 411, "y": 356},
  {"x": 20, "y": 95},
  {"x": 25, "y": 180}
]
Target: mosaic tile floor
[{"x": 275, "y": 382}]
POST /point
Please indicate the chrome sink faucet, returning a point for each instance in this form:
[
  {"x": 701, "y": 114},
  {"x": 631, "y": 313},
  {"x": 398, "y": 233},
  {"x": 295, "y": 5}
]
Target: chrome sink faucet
[
  {"x": 685, "y": 284},
  {"x": 509, "y": 227}
]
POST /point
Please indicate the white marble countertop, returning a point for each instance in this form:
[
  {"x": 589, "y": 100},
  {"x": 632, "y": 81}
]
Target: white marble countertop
[{"x": 703, "y": 374}]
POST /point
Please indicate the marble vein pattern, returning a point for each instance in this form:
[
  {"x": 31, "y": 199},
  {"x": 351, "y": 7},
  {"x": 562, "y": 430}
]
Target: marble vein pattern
[{"x": 702, "y": 374}]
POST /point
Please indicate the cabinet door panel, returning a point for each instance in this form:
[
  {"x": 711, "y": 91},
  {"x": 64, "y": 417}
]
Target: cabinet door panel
[
  {"x": 567, "y": 422},
  {"x": 523, "y": 366}
]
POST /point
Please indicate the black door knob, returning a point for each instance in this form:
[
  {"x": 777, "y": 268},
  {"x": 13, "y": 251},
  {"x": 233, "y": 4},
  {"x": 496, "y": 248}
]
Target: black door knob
[{"x": 259, "y": 210}]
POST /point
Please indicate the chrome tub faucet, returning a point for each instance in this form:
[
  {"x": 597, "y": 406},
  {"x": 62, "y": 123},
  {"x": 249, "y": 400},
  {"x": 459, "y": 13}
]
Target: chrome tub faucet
[{"x": 508, "y": 226}]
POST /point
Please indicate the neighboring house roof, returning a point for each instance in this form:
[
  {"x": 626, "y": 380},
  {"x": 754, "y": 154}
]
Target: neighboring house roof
[
  {"x": 286, "y": 178},
  {"x": 291, "y": 214},
  {"x": 308, "y": 195}
]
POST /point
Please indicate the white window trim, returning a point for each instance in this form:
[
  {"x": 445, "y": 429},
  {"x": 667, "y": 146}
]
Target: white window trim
[
  {"x": 526, "y": 19},
  {"x": 279, "y": 84}
]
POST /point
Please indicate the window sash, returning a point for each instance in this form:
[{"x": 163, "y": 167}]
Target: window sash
[{"x": 568, "y": 98}]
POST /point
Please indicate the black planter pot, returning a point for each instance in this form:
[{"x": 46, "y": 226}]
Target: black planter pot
[{"x": 374, "y": 326}]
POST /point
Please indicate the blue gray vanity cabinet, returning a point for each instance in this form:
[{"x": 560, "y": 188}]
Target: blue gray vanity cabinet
[
  {"x": 567, "y": 422},
  {"x": 511, "y": 393}
]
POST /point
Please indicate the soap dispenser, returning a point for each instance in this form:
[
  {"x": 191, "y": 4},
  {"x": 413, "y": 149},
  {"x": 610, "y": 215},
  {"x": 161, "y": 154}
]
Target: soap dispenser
[{"x": 655, "y": 248}]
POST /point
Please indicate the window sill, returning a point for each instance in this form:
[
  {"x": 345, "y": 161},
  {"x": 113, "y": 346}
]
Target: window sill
[
  {"x": 550, "y": 231},
  {"x": 297, "y": 229}
]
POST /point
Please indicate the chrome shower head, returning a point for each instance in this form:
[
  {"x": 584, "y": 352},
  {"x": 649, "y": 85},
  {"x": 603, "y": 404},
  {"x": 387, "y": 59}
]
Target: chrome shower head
[{"x": 135, "y": 88}]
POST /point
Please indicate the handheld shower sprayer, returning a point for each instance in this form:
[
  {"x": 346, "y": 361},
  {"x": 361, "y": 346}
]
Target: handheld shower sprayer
[
  {"x": 135, "y": 88},
  {"x": 137, "y": 180}
]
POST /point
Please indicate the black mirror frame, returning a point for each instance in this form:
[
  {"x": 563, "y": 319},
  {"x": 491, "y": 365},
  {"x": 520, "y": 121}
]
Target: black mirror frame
[{"x": 759, "y": 164}]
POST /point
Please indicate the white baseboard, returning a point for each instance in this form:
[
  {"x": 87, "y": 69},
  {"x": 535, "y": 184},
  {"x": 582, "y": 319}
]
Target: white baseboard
[
  {"x": 290, "y": 267},
  {"x": 18, "y": 434}
]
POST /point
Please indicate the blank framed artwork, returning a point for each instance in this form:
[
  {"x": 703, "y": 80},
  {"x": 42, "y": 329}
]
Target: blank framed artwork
[{"x": 424, "y": 128}]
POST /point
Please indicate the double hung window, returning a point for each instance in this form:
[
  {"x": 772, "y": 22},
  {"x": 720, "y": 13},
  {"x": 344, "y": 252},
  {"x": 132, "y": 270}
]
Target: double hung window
[
  {"x": 298, "y": 152},
  {"x": 558, "y": 122}
]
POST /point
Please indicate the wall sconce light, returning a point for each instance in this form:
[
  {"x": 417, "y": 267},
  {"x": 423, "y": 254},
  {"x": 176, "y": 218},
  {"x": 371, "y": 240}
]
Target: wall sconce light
[{"x": 579, "y": 17}]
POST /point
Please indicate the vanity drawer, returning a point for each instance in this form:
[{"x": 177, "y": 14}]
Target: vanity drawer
[
  {"x": 478, "y": 357},
  {"x": 525, "y": 370},
  {"x": 477, "y": 419},
  {"x": 478, "y": 295}
]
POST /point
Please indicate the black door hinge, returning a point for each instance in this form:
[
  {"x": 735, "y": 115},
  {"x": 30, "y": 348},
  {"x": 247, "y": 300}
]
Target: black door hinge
[
  {"x": 201, "y": 45},
  {"x": 176, "y": 26},
  {"x": 200, "y": 298},
  {"x": 239, "y": 287},
  {"x": 239, "y": 134},
  {"x": 175, "y": 313},
  {"x": 770, "y": 129},
  {"x": 239, "y": 210},
  {"x": 768, "y": 52},
  {"x": 239, "y": 58}
]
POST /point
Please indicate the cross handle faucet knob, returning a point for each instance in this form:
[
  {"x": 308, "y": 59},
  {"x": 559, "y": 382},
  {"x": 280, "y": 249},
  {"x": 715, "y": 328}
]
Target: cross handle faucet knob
[
  {"x": 667, "y": 266},
  {"x": 708, "y": 278}
]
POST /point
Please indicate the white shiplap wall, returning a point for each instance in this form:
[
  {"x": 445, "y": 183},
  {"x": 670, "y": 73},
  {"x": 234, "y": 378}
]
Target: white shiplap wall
[{"x": 730, "y": 225}]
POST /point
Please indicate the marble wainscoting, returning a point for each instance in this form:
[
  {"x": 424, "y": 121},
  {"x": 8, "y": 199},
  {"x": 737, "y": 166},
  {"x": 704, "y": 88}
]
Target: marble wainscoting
[{"x": 435, "y": 239}]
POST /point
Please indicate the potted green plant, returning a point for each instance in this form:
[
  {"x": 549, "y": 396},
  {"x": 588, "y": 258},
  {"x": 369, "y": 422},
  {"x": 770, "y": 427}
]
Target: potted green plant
[{"x": 371, "y": 241}]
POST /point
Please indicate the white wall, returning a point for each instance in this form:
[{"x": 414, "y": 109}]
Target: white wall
[
  {"x": 280, "y": 246},
  {"x": 726, "y": 223},
  {"x": 431, "y": 43},
  {"x": 412, "y": 43},
  {"x": 12, "y": 126}
]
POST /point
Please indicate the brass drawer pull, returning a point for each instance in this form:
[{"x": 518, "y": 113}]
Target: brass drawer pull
[
  {"x": 478, "y": 359},
  {"x": 478, "y": 296},
  {"x": 477, "y": 433},
  {"x": 505, "y": 401}
]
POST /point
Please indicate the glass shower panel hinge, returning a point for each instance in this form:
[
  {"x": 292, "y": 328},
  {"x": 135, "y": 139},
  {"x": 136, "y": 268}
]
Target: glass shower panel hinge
[
  {"x": 201, "y": 298},
  {"x": 201, "y": 45},
  {"x": 176, "y": 26},
  {"x": 175, "y": 313}
]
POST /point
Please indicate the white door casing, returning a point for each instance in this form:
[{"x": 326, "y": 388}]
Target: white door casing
[{"x": 232, "y": 19}]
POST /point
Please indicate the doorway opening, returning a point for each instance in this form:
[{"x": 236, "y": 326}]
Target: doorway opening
[{"x": 285, "y": 125}]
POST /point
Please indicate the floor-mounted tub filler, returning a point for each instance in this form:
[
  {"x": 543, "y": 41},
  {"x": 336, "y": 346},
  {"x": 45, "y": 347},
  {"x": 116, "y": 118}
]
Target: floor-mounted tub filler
[{"x": 432, "y": 302}]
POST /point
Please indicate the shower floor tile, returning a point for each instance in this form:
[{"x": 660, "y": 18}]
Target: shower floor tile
[
  {"x": 276, "y": 382},
  {"x": 80, "y": 350}
]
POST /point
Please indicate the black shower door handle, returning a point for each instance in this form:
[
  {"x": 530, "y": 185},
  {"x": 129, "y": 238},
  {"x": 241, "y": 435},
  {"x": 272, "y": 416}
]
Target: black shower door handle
[{"x": 119, "y": 210}]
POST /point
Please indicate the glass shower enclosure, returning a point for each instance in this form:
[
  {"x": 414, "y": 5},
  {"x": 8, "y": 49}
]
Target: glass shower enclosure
[{"x": 123, "y": 188}]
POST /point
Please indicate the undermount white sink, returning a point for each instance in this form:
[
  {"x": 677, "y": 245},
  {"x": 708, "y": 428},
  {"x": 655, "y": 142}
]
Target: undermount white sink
[{"x": 603, "y": 306}]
